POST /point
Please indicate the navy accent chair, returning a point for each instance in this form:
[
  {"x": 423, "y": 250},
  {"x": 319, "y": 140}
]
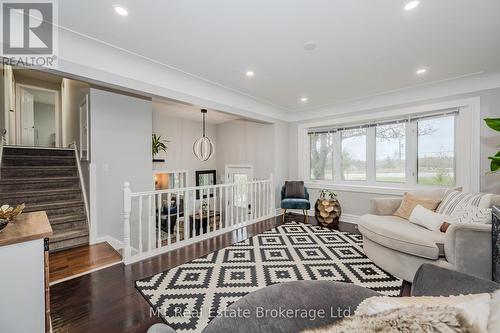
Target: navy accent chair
[{"x": 295, "y": 203}]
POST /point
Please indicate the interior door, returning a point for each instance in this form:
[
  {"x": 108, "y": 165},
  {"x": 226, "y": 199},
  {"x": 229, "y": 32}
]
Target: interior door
[
  {"x": 27, "y": 118},
  {"x": 239, "y": 199}
]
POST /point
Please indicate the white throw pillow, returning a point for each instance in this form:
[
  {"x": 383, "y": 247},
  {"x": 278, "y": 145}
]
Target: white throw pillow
[
  {"x": 494, "y": 320},
  {"x": 470, "y": 215},
  {"x": 476, "y": 307},
  {"x": 427, "y": 218}
]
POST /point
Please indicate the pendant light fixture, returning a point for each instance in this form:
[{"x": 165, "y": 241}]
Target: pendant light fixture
[{"x": 203, "y": 148}]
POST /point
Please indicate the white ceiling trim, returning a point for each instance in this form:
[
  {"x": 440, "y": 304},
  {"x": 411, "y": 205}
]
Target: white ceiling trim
[
  {"x": 99, "y": 61},
  {"x": 445, "y": 88}
]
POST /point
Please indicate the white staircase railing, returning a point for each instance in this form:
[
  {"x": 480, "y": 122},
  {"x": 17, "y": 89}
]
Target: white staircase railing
[
  {"x": 159, "y": 221},
  {"x": 82, "y": 182}
]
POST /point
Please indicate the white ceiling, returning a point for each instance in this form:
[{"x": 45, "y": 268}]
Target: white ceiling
[
  {"x": 365, "y": 47},
  {"x": 190, "y": 112}
]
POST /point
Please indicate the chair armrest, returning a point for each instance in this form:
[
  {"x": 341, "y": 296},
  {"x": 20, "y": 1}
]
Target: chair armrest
[
  {"x": 386, "y": 206},
  {"x": 468, "y": 248},
  {"x": 432, "y": 280}
]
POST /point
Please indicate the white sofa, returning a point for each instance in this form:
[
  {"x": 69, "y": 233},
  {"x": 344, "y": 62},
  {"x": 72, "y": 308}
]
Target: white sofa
[{"x": 400, "y": 247}]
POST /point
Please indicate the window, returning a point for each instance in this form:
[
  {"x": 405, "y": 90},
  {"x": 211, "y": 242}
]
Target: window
[
  {"x": 321, "y": 160},
  {"x": 436, "y": 151},
  {"x": 390, "y": 151},
  {"x": 354, "y": 154},
  {"x": 417, "y": 150}
]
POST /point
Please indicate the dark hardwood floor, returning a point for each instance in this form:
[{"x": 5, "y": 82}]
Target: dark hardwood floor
[
  {"x": 78, "y": 260},
  {"x": 107, "y": 301}
]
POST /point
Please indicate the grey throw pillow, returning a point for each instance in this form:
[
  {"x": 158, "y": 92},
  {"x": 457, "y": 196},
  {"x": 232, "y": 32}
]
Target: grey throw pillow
[{"x": 294, "y": 189}]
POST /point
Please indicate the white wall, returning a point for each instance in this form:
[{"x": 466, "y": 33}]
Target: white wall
[
  {"x": 181, "y": 133},
  {"x": 120, "y": 142},
  {"x": 360, "y": 203},
  {"x": 245, "y": 142}
]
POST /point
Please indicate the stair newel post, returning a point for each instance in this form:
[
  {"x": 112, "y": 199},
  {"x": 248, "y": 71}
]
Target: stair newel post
[{"x": 127, "y": 207}]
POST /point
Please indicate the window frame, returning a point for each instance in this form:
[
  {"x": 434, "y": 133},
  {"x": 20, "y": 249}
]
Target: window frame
[{"x": 467, "y": 123}]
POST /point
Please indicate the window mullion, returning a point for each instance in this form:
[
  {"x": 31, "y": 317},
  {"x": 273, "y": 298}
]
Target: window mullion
[
  {"x": 337, "y": 157},
  {"x": 370, "y": 155},
  {"x": 411, "y": 153}
]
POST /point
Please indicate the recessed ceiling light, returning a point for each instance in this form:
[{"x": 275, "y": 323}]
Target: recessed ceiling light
[
  {"x": 121, "y": 11},
  {"x": 412, "y": 5},
  {"x": 309, "y": 46},
  {"x": 421, "y": 71},
  {"x": 303, "y": 99},
  {"x": 250, "y": 73}
]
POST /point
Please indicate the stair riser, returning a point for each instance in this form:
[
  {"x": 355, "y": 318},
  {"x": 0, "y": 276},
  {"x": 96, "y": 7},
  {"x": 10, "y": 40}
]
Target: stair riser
[
  {"x": 68, "y": 219},
  {"x": 21, "y": 186},
  {"x": 14, "y": 161},
  {"x": 57, "y": 212},
  {"x": 70, "y": 243},
  {"x": 42, "y": 199},
  {"x": 38, "y": 173},
  {"x": 37, "y": 152},
  {"x": 68, "y": 225}
]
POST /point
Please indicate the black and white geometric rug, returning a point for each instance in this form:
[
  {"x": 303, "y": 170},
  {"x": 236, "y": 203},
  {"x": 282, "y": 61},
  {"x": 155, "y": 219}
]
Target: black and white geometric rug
[{"x": 188, "y": 296}]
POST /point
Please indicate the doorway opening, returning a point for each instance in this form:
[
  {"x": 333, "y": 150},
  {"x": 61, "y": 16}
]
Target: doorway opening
[
  {"x": 239, "y": 200},
  {"x": 38, "y": 116}
]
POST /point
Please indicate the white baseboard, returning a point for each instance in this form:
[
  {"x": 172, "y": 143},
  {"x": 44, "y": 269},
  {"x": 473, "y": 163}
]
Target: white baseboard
[
  {"x": 347, "y": 218},
  {"x": 115, "y": 243}
]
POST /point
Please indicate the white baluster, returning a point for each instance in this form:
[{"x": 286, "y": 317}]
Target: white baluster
[
  {"x": 201, "y": 214},
  {"x": 127, "y": 207},
  {"x": 158, "y": 225},
  {"x": 150, "y": 214},
  {"x": 232, "y": 204},
  {"x": 169, "y": 200},
  {"x": 207, "y": 194},
  {"x": 140, "y": 224},
  {"x": 192, "y": 227},
  {"x": 177, "y": 223},
  {"x": 226, "y": 208},
  {"x": 273, "y": 198},
  {"x": 185, "y": 216}
]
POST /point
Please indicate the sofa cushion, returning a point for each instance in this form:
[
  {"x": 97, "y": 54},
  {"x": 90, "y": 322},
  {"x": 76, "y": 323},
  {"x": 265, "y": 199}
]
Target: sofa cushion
[
  {"x": 295, "y": 203},
  {"x": 411, "y": 201},
  {"x": 401, "y": 235}
]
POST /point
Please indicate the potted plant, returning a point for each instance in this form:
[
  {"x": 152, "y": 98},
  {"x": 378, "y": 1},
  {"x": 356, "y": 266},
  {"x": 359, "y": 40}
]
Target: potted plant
[
  {"x": 327, "y": 194},
  {"x": 158, "y": 145},
  {"x": 494, "y": 123}
]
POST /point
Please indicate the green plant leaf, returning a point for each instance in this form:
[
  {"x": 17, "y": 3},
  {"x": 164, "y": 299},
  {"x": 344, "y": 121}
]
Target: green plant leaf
[
  {"x": 495, "y": 162},
  {"x": 493, "y": 123}
]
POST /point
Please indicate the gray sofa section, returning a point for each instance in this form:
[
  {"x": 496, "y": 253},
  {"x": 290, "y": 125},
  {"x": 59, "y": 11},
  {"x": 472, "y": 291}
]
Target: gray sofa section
[
  {"x": 401, "y": 247},
  {"x": 336, "y": 298}
]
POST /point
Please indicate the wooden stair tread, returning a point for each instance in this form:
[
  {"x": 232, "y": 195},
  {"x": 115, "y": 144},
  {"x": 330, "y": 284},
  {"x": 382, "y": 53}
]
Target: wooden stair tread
[
  {"x": 54, "y": 205},
  {"x": 38, "y": 167},
  {"x": 38, "y": 157},
  {"x": 68, "y": 218},
  {"x": 41, "y": 192}
]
